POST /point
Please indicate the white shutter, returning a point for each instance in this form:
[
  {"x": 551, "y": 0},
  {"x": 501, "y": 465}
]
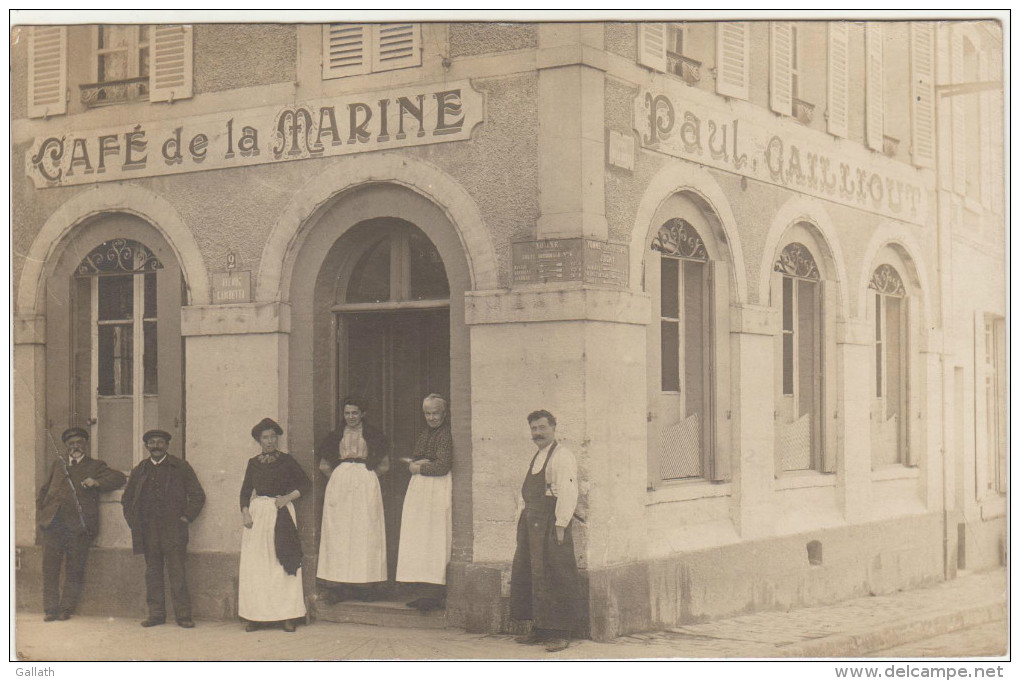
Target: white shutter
[
  {"x": 995, "y": 162},
  {"x": 985, "y": 131},
  {"x": 396, "y": 46},
  {"x": 47, "y": 71},
  {"x": 722, "y": 423},
  {"x": 345, "y": 50},
  {"x": 922, "y": 92},
  {"x": 733, "y": 58},
  {"x": 875, "y": 84},
  {"x": 652, "y": 46},
  {"x": 830, "y": 379},
  {"x": 170, "y": 71},
  {"x": 839, "y": 94},
  {"x": 959, "y": 117},
  {"x": 781, "y": 63}
]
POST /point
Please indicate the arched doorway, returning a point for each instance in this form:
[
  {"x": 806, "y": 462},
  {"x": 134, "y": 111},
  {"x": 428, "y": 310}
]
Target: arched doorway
[
  {"x": 392, "y": 320},
  {"x": 114, "y": 353}
]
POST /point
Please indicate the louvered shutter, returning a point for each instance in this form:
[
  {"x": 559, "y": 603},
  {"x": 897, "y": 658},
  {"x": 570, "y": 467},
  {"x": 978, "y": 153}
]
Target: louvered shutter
[
  {"x": 959, "y": 118},
  {"x": 719, "y": 295},
  {"x": 396, "y": 46},
  {"x": 170, "y": 71},
  {"x": 652, "y": 46},
  {"x": 912, "y": 420},
  {"x": 922, "y": 93},
  {"x": 781, "y": 63},
  {"x": 995, "y": 162},
  {"x": 47, "y": 71},
  {"x": 985, "y": 131},
  {"x": 345, "y": 50},
  {"x": 875, "y": 84},
  {"x": 830, "y": 379},
  {"x": 839, "y": 44},
  {"x": 733, "y": 58}
]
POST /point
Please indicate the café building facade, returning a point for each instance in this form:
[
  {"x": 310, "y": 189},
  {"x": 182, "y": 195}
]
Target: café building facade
[{"x": 717, "y": 252}]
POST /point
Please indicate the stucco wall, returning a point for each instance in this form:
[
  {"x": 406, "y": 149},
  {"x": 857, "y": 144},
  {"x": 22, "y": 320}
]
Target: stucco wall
[
  {"x": 242, "y": 55},
  {"x": 481, "y": 38}
]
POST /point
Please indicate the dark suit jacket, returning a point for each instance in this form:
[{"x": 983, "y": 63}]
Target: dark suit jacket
[
  {"x": 328, "y": 449},
  {"x": 183, "y": 494},
  {"x": 57, "y": 493}
]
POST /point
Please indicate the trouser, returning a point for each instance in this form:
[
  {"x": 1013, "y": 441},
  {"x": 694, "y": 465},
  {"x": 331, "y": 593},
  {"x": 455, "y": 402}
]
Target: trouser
[
  {"x": 166, "y": 543},
  {"x": 60, "y": 543}
]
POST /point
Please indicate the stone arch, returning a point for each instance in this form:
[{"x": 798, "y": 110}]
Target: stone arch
[
  {"x": 812, "y": 214},
  {"x": 684, "y": 178},
  {"x": 900, "y": 239},
  {"x": 348, "y": 173},
  {"x": 110, "y": 198}
]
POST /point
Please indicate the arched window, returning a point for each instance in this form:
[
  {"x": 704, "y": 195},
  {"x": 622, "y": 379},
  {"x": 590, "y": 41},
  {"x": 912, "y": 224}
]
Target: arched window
[
  {"x": 889, "y": 411},
  {"x": 686, "y": 438}
]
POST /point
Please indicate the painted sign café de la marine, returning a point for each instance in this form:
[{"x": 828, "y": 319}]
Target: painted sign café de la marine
[{"x": 753, "y": 268}]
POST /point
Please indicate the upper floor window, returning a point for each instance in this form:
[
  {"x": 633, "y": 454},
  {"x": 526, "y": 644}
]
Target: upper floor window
[
  {"x": 353, "y": 49},
  {"x": 786, "y": 72},
  {"x": 133, "y": 62},
  {"x": 666, "y": 47}
]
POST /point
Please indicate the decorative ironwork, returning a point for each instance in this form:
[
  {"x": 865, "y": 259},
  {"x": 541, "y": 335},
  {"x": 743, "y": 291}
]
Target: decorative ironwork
[
  {"x": 887, "y": 280},
  {"x": 685, "y": 67},
  {"x": 677, "y": 237},
  {"x": 114, "y": 91},
  {"x": 796, "y": 261},
  {"x": 803, "y": 111},
  {"x": 119, "y": 256}
]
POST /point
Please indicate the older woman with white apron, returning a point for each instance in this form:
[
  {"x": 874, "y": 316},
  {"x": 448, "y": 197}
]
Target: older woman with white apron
[
  {"x": 352, "y": 551},
  {"x": 269, "y": 584},
  {"x": 426, "y": 527}
]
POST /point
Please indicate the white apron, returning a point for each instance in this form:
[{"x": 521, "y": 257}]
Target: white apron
[
  {"x": 426, "y": 530},
  {"x": 353, "y": 545},
  {"x": 266, "y": 592}
]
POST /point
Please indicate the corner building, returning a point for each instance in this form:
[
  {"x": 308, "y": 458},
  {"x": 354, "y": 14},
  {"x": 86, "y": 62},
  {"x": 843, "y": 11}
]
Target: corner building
[{"x": 719, "y": 253}]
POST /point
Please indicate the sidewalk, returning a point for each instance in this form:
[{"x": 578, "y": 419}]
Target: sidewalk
[{"x": 849, "y": 629}]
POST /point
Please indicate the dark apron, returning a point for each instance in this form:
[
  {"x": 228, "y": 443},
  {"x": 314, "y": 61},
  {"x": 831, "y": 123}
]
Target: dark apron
[{"x": 544, "y": 580}]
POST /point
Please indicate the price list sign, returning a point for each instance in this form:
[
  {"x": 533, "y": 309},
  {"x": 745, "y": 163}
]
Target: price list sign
[{"x": 586, "y": 260}]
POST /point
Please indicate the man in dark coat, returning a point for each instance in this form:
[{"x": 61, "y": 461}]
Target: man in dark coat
[
  {"x": 68, "y": 515},
  {"x": 162, "y": 498}
]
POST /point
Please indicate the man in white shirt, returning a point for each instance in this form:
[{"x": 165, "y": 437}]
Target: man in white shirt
[{"x": 544, "y": 583}]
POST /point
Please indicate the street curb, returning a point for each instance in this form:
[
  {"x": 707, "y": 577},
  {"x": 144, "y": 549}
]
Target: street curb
[{"x": 859, "y": 643}]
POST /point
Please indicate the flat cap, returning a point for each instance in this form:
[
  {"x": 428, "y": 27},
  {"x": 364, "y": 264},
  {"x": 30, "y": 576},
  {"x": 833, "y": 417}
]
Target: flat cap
[
  {"x": 74, "y": 432},
  {"x": 149, "y": 434}
]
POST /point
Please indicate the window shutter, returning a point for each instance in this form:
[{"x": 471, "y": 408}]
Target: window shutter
[
  {"x": 719, "y": 294},
  {"x": 875, "y": 84},
  {"x": 985, "y": 109},
  {"x": 733, "y": 58},
  {"x": 652, "y": 46},
  {"x": 959, "y": 119},
  {"x": 830, "y": 407},
  {"x": 170, "y": 72},
  {"x": 47, "y": 71},
  {"x": 922, "y": 92},
  {"x": 915, "y": 393},
  {"x": 995, "y": 161},
  {"x": 981, "y": 408},
  {"x": 345, "y": 50},
  {"x": 839, "y": 45},
  {"x": 396, "y": 46},
  {"x": 781, "y": 63}
]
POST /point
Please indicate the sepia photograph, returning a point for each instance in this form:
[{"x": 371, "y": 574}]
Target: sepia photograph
[{"x": 442, "y": 335}]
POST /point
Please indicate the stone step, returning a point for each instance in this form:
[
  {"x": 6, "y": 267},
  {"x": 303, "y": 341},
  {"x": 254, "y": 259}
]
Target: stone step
[{"x": 381, "y": 613}]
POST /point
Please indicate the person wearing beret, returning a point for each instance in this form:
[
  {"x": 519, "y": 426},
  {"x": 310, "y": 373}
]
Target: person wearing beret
[
  {"x": 270, "y": 574},
  {"x": 68, "y": 515},
  {"x": 352, "y": 549},
  {"x": 161, "y": 499}
]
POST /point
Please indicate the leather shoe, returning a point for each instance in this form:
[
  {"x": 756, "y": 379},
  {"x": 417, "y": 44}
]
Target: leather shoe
[
  {"x": 152, "y": 622},
  {"x": 288, "y": 626},
  {"x": 64, "y": 616},
  {"x": 251, "y": 626},
  {"x": 430, "y": 604},
  {"x": 555, "y": 645},
  {"x": 186, "y": 624},
  {"x": 50, "y": 616}
]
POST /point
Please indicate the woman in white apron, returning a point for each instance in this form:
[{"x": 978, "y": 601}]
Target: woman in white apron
[
  {"x": 352, "y": 551},
  {"x": 270, "y": 575},
  {"x": 426, "y": 527}
]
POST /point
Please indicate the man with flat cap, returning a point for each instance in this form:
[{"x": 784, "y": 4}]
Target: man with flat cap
[
  {"x": 68, "y": 515},
  {"x": 162, "y": 498}
]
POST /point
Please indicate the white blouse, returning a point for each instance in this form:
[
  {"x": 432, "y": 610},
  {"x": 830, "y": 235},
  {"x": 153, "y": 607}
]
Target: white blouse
[{"x": 560, "y": 481}]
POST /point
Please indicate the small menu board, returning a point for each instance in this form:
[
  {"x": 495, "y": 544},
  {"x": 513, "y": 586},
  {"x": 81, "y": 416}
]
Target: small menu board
[{"x": 577, "y": 259}]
